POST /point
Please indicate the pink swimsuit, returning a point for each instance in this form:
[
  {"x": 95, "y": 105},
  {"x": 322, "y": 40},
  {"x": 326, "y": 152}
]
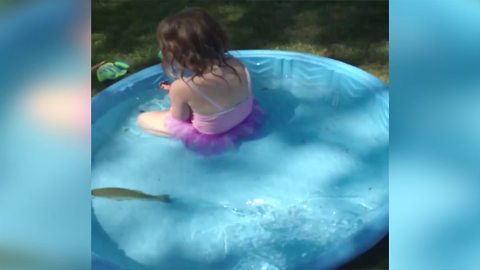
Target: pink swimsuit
[
  {"x": 214, "y": 133},
  {"x": 225, "y": 119}
]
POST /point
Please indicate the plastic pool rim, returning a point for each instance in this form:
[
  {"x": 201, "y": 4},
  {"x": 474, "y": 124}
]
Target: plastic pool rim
[{"x": 120, "y": 89}]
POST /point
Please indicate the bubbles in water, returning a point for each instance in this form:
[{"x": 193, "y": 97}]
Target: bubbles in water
[
  {"x": 156, "y": 104},
  {"x": 245, "y": 208}
]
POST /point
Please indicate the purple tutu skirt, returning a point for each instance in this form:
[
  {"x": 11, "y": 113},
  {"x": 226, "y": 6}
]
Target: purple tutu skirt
[{"x": 209, "y": 144}]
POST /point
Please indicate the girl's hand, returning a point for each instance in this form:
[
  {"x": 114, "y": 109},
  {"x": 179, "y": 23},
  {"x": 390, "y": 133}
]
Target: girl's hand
[{"x": 164, "y": 85}]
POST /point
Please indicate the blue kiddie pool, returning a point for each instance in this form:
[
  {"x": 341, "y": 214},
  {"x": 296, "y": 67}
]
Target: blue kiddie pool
[{"x": 310, "y": 192}]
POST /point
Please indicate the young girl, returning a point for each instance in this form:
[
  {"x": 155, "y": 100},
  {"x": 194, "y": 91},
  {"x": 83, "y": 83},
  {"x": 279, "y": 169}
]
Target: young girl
[{"x": 212, "y": 105}]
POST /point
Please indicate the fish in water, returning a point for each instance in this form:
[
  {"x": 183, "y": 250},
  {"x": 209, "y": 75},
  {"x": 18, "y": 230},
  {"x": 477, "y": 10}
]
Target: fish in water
[{"x": 126, "y": 194}]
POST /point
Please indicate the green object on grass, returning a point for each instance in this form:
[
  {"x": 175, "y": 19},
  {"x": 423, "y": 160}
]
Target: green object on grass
[
  {"x": 122, "y": 64},
  {"x": 111, "y": 71}
]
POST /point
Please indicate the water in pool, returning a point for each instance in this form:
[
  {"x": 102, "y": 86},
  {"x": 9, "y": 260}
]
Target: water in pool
[{"x": 314, "y": 179}]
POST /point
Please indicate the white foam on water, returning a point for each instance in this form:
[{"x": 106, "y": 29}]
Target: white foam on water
[{"x": 315, "y": 177}]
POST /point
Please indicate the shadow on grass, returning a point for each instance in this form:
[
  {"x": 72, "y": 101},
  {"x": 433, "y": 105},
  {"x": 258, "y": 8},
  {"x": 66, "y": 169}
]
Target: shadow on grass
[
  {"x": 344, "y": 30},
  {"x": 353, "y": 32}
]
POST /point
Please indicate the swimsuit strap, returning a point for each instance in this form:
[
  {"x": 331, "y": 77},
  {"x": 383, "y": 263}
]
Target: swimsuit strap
[
  {"x": 199, "y": 91},
  {"x": 202, "y": 94},
  {"x": 249, "y": 82}
]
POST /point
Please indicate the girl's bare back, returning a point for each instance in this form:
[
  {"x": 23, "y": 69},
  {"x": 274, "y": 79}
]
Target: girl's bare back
[{"x": 222, "y": 85}]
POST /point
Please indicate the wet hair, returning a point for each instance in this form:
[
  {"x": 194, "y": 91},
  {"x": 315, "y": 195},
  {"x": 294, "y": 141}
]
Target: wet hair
[{"x": 195, "y": 41}]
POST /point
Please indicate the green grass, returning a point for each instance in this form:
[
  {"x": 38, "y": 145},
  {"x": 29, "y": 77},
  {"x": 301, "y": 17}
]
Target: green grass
[{"x": 355, "y": 32}]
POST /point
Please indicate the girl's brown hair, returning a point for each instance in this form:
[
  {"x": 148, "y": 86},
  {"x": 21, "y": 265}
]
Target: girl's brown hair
[{"x": 193, "y": 39}]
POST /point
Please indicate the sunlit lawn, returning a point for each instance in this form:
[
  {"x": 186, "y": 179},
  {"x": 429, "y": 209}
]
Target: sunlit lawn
[{"x": 353, "y": 32}]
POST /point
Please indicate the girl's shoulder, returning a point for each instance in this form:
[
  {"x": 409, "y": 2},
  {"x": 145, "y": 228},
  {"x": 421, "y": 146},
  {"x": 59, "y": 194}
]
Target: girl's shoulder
[
  {"x": 236, "y": 63},
  {"x": 179, "y": 88}
]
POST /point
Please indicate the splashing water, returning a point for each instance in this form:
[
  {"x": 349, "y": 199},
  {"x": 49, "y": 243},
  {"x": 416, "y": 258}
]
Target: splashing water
[{"x": 315, "y": 178}]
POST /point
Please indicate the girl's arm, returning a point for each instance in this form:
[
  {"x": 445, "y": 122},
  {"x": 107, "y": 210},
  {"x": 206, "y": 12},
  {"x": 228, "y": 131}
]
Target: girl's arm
[{"x": 179, "y": 109}]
